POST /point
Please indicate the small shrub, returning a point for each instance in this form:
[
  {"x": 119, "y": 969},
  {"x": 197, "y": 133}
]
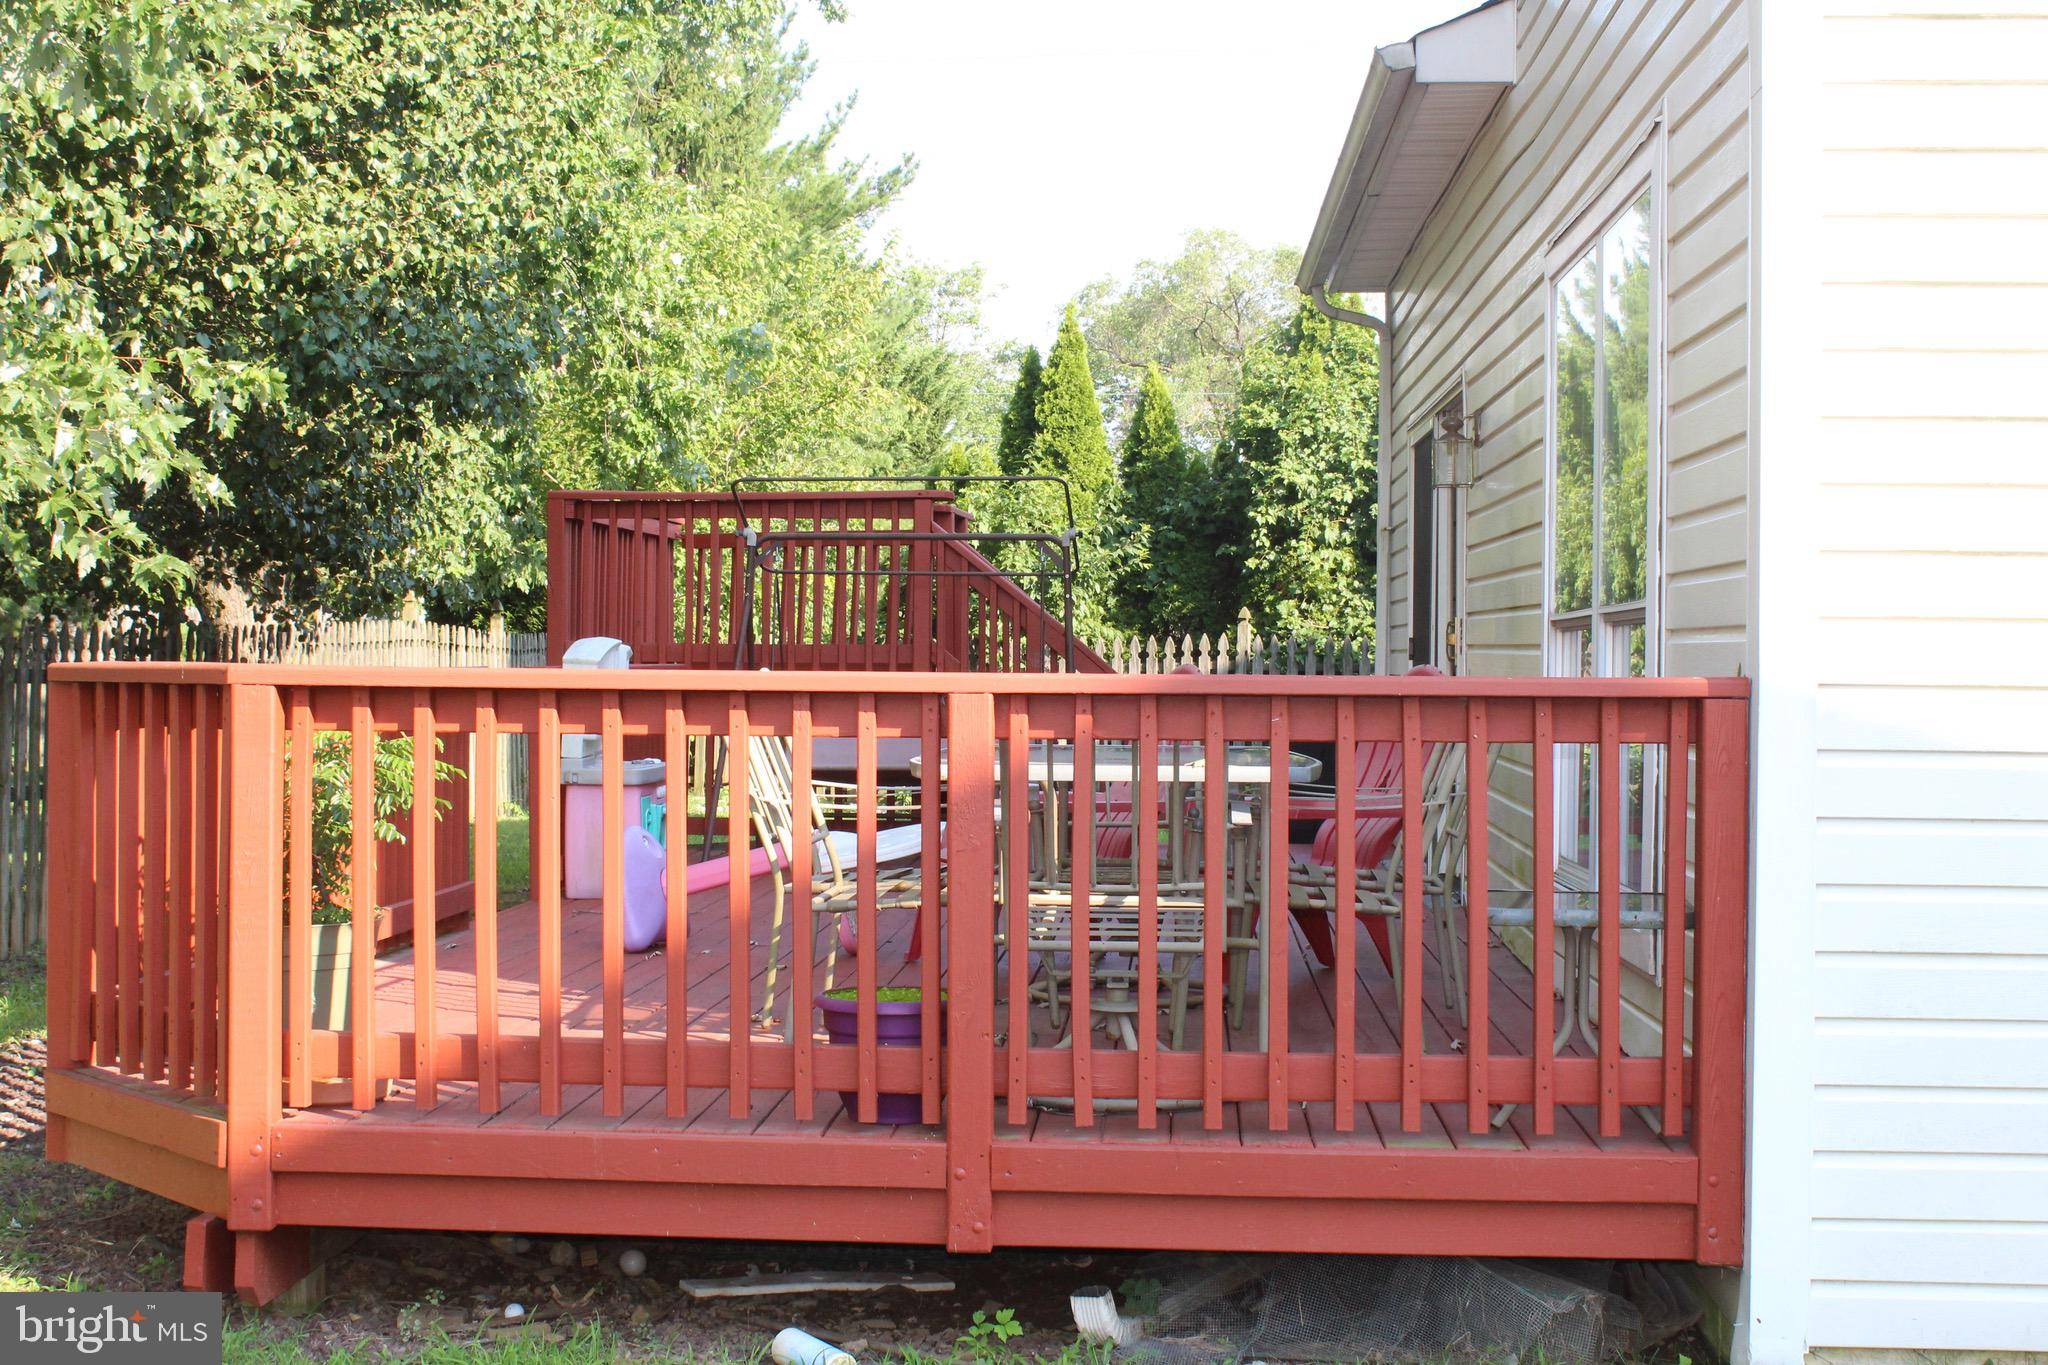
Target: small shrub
[{"x": 333, "y": 805}]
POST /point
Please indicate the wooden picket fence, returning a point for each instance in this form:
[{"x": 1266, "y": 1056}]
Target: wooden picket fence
[
  {"x": 139, "y": 636},
  {"x": 1242, "y": 652}
]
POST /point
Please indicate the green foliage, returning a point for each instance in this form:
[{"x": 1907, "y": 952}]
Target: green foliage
[
  {"x": 1297, "y": 479},
  {"x": 986, "y": 1336},
  {"x": 317, "y": 297},
  {"x": 1071, "y": 443},
  {"x": 1166, "y": 576},
  {"x": 734, "y": 322},
  {"x": 1195, "y": 317},
  {"x": 1020, "y": 420},
  {"x": 23, "y": 985},
  {"x": 1602, "y": 343},
  {"x": 391, "y": 780}
]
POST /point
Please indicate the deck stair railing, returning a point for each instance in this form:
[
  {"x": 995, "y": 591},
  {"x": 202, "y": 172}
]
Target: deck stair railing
[
  {"x": 182, "y": 909},
  {"x": 887, "y": 579}
]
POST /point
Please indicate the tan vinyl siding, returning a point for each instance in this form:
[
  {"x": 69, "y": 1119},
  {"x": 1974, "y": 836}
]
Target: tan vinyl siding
[
  {"x": 1468, "y": 310},
  {"x": 1930, "y": 1164}
]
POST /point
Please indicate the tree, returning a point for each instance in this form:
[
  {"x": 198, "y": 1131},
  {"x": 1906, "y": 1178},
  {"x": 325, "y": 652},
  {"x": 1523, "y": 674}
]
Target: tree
[
  {"x": 1163, "y": 579},
  {"x": 1195, "y": 317},
  {"x": 1071, "y": 443},
  {"x": 1297, "y": 493},
  {"x": 310, "y": 238},
  {"x": 316, "y": 298},
  {"x": 1020, "y": 420}
]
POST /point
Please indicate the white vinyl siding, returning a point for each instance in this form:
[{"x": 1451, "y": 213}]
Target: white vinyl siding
[{"x": 1930, "y": 931}]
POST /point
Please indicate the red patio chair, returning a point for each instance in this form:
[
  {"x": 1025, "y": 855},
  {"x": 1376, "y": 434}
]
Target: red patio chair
[{"x": 1379, "y": 774}]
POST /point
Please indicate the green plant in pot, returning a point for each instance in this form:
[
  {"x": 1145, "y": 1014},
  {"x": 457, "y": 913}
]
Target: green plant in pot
[
  {"x": 332, "y": 943},
  {"x": 899, "y": 1022}
]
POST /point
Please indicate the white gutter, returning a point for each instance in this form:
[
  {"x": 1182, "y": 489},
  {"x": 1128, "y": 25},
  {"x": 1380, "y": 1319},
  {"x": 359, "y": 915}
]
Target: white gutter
[
  {"x": 1468, "y": 62},
  {"x": 1383, "y": 337}
]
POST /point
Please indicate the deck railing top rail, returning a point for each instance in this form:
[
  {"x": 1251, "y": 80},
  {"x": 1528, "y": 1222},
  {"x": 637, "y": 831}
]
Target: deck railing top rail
[{"x": 854, "y": 681}]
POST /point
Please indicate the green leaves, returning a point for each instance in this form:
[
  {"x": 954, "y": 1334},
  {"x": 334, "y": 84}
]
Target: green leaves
[
  {"x": 1298, "y": 475},
  {"x": 1071, "y": 442}
]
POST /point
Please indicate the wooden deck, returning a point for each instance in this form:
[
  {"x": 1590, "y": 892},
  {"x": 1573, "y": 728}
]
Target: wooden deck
[
  {"x": 179, "y": 1040},
  {"x": 1311, "y": 1015}
]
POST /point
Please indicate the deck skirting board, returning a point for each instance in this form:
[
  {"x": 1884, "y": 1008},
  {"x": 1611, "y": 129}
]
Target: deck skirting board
[
  {"x": 1155, "y": 1169},
  {"x": 1193, "y": 1222},
  {"x": 119, "y": 1104},
  {"x": 573, "y": 1207},
  {"x": 132, "y": 1161},
  {"x": 767, "y": 1163}
]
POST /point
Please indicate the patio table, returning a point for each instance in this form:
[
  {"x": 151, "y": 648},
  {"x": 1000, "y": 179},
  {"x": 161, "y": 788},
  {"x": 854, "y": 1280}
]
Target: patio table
[{"x": 1182, "y": 763}]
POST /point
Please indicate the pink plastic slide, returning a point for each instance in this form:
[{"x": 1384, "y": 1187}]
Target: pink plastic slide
[{"x": 647, "y": 885}]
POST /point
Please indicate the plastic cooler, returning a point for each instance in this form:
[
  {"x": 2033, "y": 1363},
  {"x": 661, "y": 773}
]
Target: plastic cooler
[{"x": 583, "y": 784}]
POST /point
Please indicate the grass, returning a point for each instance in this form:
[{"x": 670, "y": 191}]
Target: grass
[
  {"x": 21, "y": 997},
  {"x": 21, "y": 1016},
  {"x": 251, "y": 1342},
  {"x": 887, "y": 995},
  {"x": 515, "y": 856}
]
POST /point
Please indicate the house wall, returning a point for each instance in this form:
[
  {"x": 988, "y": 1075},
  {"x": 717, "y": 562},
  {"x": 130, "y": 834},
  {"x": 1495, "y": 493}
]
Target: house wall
[
  {"x": 1881, "y": 570},
  {"x": 1468, "y": 312},
  {"x": 1927, "y": 610}
]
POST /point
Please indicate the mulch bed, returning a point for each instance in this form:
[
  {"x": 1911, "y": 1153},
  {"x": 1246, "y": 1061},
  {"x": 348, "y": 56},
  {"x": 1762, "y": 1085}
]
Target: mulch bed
[{"x": 21, "y": 1092}]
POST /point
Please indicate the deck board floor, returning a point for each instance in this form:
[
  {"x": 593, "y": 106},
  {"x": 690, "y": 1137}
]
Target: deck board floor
[{"x": 711, "y": 1009}]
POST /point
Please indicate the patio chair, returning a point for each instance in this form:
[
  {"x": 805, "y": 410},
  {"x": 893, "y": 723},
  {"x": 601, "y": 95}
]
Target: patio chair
[
  {"x": 778, "y": 816},
  {"x": 1111, "y": 956},
  {"x": 1379, "y": 889}
]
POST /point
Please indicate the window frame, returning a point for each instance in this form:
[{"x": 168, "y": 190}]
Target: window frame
[{"x": 1607, "y": 627}]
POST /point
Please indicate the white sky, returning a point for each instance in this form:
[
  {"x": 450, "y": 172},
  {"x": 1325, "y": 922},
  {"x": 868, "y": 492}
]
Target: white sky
[{"x": 1062, "y": 140}]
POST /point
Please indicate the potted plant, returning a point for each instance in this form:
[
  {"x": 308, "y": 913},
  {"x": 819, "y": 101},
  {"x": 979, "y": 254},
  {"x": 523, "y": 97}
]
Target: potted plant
[
  {"x": 331, "y": 945},
  {"x": 899, "y": 1022}
]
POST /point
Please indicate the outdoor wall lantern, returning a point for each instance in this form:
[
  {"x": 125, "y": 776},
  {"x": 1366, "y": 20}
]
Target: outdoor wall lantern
[{"x": 1451, "y": 453}]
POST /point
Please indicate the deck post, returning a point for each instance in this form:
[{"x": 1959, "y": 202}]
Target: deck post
[
  {"x": 970, "y": 996},
  {"x": 1720, "y": 951},
  {"x": 69, "y": 818},
  {"x": 559, "y": 624},
  {"x": 255, "y": 909}
]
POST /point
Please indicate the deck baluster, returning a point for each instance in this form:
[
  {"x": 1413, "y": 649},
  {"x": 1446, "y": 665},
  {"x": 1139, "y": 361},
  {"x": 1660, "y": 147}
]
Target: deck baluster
[
  {"x": 485, "y": 903},
  {"x": 1543, "y": 956},
  {"x": 1478, "y": 931},
  {"x": 612, "y": 886},
  {"x": 426, "y": 1019},
  {"x": 1414, "y": 914},
  {"x": 1607, "y": 785}
]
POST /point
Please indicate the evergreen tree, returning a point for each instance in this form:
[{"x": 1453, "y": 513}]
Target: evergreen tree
[
  {"x": 1155, "y": 458},
  {"x": 1020, "y": 419},
  {"x": 1162, "y": 569},
  {"x": 1296, "y": 474},
  {"x": 1071, "y": 441}
]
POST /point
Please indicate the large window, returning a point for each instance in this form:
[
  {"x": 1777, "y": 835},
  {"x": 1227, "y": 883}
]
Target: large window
[{"x": 1604, "y": 401}]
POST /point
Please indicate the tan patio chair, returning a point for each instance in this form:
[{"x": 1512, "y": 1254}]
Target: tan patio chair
[{"x": 773, "y": 810}]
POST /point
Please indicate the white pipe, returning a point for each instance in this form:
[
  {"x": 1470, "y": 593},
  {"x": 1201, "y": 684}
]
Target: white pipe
[
  {"x": 1383, "y": 333},
  {"x": 795, "y": 1346}
]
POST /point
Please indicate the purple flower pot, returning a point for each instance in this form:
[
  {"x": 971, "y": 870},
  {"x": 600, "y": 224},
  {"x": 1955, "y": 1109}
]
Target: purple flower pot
[{"x": 898, "y": 1023}]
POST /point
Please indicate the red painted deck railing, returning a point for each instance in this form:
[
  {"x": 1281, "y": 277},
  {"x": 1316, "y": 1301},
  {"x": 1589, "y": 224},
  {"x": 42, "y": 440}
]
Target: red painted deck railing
[
  {"x": 179, "y": 893},
  {"x": 866, "y": 580}
]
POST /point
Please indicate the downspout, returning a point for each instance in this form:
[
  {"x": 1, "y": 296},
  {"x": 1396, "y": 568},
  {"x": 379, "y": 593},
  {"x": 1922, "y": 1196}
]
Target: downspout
[{"x": 1383, "y": 335}]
